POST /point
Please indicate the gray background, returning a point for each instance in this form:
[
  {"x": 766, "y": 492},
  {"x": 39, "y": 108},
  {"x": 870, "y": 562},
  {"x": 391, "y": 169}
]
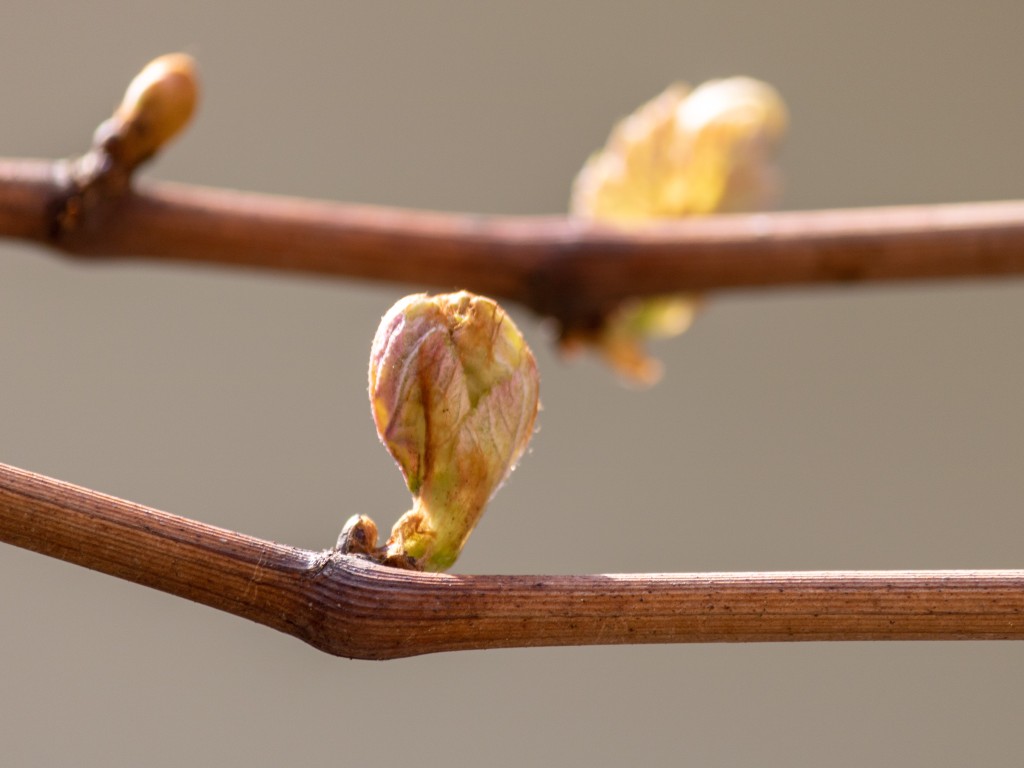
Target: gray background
[{"x": 855, "y": 428}]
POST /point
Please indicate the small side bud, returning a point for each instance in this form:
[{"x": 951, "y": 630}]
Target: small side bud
[
  {"x": 454, "y": 392},
  {"x": 358, "y": 537},
  {"x": 159, "y": 102}
]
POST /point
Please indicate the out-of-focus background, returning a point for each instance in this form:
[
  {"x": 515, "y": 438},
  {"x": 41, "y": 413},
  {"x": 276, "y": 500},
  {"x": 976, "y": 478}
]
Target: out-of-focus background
[{"x": 876, "y": 427}]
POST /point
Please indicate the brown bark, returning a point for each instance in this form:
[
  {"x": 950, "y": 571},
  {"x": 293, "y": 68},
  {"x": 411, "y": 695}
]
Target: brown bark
[{"x": 351, "y": 607}]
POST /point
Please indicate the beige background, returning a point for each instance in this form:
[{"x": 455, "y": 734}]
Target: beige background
[{"x": 855, "y": 428}]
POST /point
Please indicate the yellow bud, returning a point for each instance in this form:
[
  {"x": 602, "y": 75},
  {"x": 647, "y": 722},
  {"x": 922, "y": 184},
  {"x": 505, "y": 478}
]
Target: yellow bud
[
  {"x": 684, "y": 153},
  {"x": 158, "y": 103},
  {"x": 454, "y": 392}
]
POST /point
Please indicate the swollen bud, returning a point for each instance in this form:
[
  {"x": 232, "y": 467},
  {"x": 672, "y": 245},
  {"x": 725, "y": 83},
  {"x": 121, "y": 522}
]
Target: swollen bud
[
  {"x": 158, "y": 103},
  {"x": 454, "y": 392}
]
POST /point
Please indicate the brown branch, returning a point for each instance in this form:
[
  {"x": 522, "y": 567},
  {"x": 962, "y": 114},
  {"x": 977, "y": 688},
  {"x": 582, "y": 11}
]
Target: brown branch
[
  {"x": 351, "y": 607},
  {"x": 561, "y": 267}
]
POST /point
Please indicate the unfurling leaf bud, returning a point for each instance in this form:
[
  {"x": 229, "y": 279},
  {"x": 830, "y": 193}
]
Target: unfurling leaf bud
[
  {"x": 158, "y": 103},
  {"x": 454, "y": 392},
  {"x": 684, "y": 153},
  {"x": 687, "y": 153}
]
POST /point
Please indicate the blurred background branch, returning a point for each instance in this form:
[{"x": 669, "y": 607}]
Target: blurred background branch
[{"x": 561, "y": 267}]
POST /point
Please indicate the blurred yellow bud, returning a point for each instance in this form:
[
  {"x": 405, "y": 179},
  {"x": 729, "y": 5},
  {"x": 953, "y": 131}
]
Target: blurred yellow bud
[
  {"x": 454, "y": 392},
  {"x": 158, "y": 103},
  {"x": 684, "y": 153}
]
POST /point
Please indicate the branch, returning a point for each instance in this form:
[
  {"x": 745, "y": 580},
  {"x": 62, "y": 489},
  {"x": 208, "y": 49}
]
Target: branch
[
  {"x": 562, "y": 267},
  {"x": 351, "y": 607}
]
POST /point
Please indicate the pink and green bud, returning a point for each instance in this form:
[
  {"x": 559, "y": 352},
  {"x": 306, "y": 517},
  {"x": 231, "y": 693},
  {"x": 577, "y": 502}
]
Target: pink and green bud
[{"x": 454, "y": 391}]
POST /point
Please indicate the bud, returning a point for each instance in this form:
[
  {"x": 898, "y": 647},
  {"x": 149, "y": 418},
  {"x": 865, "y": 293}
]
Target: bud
[
  {"x": 358, "y": 537},
  {"x": 158, "y": 103},
  {"x": 687, "y": 153},
  {"x": 684, "y": 153},
  {"x": 454, "y": 393}
]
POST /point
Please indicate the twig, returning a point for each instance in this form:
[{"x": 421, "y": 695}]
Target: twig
[
  {"x": 351, "y": 607},
  {"x": 558, "y": 266}
]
